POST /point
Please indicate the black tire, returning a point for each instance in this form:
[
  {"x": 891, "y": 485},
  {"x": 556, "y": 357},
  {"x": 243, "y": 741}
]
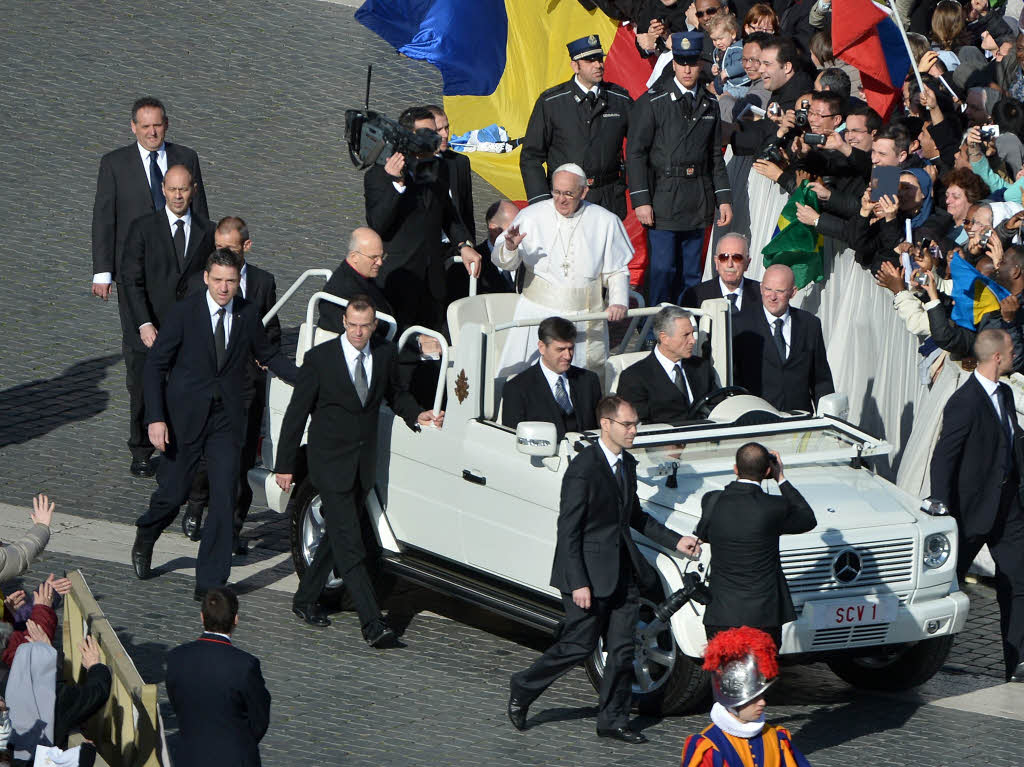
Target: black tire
[
  {"x": 299, "y": 507},
  {"x": 680, "y": 688},
  {"x": 896, "y": 668}
]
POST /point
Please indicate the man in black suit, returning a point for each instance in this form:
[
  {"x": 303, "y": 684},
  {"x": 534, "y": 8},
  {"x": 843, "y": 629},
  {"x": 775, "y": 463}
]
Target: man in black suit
[
  {"x": 732, "y": 258},
  {"x": 492, "y": 278},
  {"x": 130, "y": 185},
  {"x": 342, "y": 384},
  {"x": 600, "y": 572},
  {"x": 409, "y": 206},
  {"x": 455, "y": 172},
  {"x": 195, "y": 379},
  {"x": 258, "y": 287},
  {"x": 743, "y": 524},
  {"x": 779, "y": 353},
  {"x": 664, "y": 386},
  {"x": 976, "y": 472},
  {"x": 553, "y": 389},
  {"x": 355, "y": 276},
  {"x": 217, "y": 692}
]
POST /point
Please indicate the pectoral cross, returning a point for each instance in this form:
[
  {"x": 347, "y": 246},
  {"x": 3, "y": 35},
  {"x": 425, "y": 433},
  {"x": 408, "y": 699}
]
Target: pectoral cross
[{"x": 565, "y": 267}]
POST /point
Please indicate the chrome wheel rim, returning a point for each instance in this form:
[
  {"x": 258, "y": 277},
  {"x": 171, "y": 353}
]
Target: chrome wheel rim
[
  {"x": 313, "y": 530},
  {"x": 654, "y": 652}
]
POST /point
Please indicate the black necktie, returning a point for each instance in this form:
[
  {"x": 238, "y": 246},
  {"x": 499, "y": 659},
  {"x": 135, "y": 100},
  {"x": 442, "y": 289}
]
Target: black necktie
[
  {"x": 179, "y": 241},
  {"x": 732, "y": 300},
  {"x": 689, "y": 102},
  {"x": 780, "y": 340},
  {"x": 592, "y": 99},
  {"x": 156, "y": 182},
  {"x": 220, "y": 343},
  {"x": 620, "y": 477},
  {"x": 680, "y": 382}
]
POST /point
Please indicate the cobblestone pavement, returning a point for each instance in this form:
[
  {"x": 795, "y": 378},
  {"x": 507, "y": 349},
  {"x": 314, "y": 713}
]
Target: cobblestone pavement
[{"x": 259, "y": 90}]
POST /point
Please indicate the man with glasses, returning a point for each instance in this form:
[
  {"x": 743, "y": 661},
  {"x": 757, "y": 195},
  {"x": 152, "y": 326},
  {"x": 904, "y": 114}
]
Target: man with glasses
[
  {"x": 582, "y": 121},
  {"x": 779, "y": 352},
  {"x": 600, "y": 572},
  {"x": 664, "y": 386},
  {"x": 570, "y": 250},
  {"x": 355, "y": 276},
  {"x": 732, "y": 257}
]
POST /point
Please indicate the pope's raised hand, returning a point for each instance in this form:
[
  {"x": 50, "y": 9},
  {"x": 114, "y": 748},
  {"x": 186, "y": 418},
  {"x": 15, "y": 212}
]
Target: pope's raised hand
[{"x": 513, "y": 237}]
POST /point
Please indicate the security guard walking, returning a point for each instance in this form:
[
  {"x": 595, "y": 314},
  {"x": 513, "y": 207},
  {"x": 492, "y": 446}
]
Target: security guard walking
[
  {"x": 677, "y": 175},
  {"x": 583, "y": 121}
]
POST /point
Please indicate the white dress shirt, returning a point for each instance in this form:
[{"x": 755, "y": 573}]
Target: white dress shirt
[
  {"x": 105, "y": 278},
  {"x": 612, "y": 458},
  {"x": 214, "y": 308},
  {"x": 592, "y": 89},
  {"x": 684, "y": 90},
  {"x": 352, "y": 357},
  {"x": 670, "y": 367},
  {"x": 552, "y": 379},
  {"x": 787, "y": 327},
  {"x": 727, "y": 291},
  {"x": 992, "y": 390}
]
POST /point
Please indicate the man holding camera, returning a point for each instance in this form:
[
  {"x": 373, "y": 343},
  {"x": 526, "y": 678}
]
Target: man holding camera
[
  {"x": 409, "y": 207},
  {"x": 676, "y": 171}
]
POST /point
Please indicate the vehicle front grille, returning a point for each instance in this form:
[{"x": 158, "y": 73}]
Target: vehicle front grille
[
  {"x": 886, "y": 562},
  {"x": 849, "y": 636}
]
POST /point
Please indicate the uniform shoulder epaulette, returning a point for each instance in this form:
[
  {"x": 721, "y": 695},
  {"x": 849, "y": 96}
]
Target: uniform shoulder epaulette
[{"x": 556, "y": 90}]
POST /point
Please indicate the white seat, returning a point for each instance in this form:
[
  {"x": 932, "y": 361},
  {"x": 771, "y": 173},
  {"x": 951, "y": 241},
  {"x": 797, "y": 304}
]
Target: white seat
[
  {"x": 614, "y": 366},
  {"x": 486, "y": 308}
]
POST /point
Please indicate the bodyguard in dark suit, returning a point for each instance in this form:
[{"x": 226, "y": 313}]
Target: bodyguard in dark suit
[
  {"x": 743, "y": 524},
  {"x": 731, "y": 261},
  {"x": 258, "y": 287},
  {"x": 600, "y": 572},
  {"x": 410, "y": 208},
  {"x": 664, "y": 386},
  {"x": 779, "y": 353},
  {"x": 217, "y": 692},
  {"x": 455, "y": 172},
  {"x": 976, "y": 472},
  {"x": 553, "y": 389},
  {"x": 130, "y": 185},
  {"x": 196, "y": 377},
  {"x": 355, "y": 276},
  {"x": 342, "y": 384}
]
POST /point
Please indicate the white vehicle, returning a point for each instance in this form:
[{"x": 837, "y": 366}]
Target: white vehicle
[{"x": 471, "y": 508}]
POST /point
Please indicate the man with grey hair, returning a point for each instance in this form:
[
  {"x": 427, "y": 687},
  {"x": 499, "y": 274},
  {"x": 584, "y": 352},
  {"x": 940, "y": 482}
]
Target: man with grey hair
[
  {"x": 570, "y": 250},
  {"x": 664, "y": 386},
  {"x": 355, "y": 276},
  {"x": 732, "y": 257}
]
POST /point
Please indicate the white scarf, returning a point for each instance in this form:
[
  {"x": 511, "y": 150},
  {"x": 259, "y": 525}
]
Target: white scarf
[{"x": 729, "y": 724}]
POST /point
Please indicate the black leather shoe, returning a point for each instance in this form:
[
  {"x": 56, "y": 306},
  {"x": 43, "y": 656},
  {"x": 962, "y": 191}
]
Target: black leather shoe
[
  {"x": 1018, "y": 673},
  {"x": 381, "y": 637},
  {"x": 192, "y": 521},
  {"x": 240, "y": 547},
  {"x": 517, "y": 712},
  {"x": 142, "y": 467},
  {"x": 624, "y": 734},
  {"x": 312, "y": 615},
  {"x": 142, "y": 556},
  {"x": 199, "y": 594}
]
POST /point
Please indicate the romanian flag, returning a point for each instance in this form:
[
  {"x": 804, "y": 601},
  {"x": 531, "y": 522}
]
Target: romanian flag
[
  {"x": 797, "y": 245},
  {"x": 864, "y": 36},
  {"x": 496, "y": 57},
  {"x": 974, "y": 294}
]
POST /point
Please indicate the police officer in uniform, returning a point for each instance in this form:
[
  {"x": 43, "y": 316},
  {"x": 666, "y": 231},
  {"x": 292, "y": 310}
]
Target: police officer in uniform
[
  {"x": 583, "y": 121},
  {"x": 677, "y": 175}
]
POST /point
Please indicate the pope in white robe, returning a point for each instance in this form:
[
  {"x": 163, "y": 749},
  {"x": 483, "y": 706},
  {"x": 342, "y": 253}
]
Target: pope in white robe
[{"x": 570, "y": 249}]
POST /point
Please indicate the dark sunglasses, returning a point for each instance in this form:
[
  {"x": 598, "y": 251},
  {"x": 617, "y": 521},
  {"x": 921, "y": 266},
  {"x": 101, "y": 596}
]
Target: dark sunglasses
[
  {"x": 725, "y": 257},
  {"x": 708, "y": 12}
]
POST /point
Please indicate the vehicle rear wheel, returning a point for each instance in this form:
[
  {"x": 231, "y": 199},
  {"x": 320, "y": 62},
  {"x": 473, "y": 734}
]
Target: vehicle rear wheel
[
  {"x": 665, "y": 681},
  {"x": 895, "y": 668},
  {"x": 306, "y": 529}
]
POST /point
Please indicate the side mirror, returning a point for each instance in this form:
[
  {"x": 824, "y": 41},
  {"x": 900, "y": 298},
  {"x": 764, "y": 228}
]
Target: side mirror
[
  {"x": 537, "y": 438},
  {"x": 837, "y": 405}
]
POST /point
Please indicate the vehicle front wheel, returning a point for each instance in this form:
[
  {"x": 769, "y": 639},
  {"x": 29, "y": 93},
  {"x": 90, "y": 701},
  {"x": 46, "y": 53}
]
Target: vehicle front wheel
[
  {"x": 306, "y": 529},
  {"x": 895, "y": 668},
  {"x": 665, "y": 681}
]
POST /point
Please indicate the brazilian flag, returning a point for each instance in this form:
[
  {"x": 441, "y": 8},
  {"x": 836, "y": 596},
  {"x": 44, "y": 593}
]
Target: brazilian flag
[
  {"x": 974, "y": 294},
  {"x": 797, "y": 245}
]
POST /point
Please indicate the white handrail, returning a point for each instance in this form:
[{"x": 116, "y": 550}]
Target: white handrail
[
  {"x": 330, "y": 298},
  {"x": 420, "y": 330},
  {"x": 641, "y": 304},
  {"x": 325, "y": 273},
  {"x": 472, "y": 277},
  {"x": 649, "y": 311}
]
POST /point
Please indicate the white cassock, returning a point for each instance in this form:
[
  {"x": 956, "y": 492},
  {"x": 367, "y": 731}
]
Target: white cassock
[{"x": 567, "y": 260}]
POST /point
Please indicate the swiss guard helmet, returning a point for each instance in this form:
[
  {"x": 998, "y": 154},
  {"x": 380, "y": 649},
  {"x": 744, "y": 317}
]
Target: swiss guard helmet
[{"x": 742, "y": 664}]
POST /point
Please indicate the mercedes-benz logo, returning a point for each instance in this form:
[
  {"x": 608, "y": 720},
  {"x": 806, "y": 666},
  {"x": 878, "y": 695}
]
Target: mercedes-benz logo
[{"x": 847, "y": 566}]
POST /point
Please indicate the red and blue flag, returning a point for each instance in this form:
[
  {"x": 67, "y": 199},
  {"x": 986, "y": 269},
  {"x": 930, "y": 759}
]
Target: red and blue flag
[{"x": 864, "y": 36}]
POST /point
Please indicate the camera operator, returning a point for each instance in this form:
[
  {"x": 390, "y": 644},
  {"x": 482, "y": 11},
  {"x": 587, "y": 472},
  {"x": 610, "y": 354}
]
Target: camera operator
[
  {"x": 782, "y": 76},
  {"x": 409, "y": 207}
]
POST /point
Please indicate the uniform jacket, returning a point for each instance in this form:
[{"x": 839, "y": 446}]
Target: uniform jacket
[
  {"x": 796, "y": 383},
  {"x": 342, "y": 432},
  {"x": 221, "y": 702},
  {"x": 645, "y": 386},
  {"x": 594, "y": 522},
  {"x": 564, "y": 128},
  {"x": 715, "y": 748},
  {"x": 675, "y": 160},
  {"x": 743, "y": 524},
  {"x": 527, "y": 397}
]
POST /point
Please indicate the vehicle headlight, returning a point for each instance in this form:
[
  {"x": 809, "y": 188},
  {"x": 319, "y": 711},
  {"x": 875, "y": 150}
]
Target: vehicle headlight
[{"x": 936, "y": 550}]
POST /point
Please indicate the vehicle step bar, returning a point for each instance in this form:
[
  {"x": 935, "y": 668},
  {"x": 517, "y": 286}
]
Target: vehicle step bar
[{"x": 507, "y": 602}]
